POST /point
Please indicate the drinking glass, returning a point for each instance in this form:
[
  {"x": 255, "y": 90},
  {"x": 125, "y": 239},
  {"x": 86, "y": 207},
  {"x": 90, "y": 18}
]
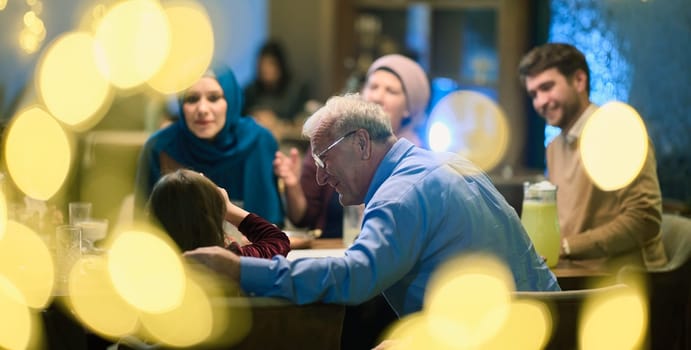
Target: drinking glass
[
  {"x": 540, "y": 220},
  {"x": 352, "y": 223},
  {"x": 93, "y": 230},
  {"x": 79, "y": 211},
  {"x": 68, "y": 249}
]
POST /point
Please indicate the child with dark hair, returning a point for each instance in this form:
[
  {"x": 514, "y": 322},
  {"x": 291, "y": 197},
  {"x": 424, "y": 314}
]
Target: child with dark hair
[{"x": 192, "y": 209}]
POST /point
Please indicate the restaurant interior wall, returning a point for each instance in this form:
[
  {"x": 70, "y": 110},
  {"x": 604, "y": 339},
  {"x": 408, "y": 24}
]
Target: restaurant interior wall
[{"x": 240, "y": 27}]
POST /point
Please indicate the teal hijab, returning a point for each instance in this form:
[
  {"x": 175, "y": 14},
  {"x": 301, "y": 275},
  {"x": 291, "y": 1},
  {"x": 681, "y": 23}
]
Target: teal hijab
[{"x": 236, "y": 138}]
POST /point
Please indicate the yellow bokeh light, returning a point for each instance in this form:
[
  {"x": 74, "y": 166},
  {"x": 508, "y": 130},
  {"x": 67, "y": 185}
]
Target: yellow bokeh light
[
  {"x": 132, "y": 42},
  {"x": 96, "y": 303},
  {"x": 29, "y": 41},
  {"x": 3, "y": 4},
  {"x": 468, "y": 309},
  {"x": 98, "y": 12},
  {"x": 472, "y": 265},
  {"x": 477, "y": 126},
  {"x": 188, "y": 324},
  {"x": 411, "y": 332},
  {"x": 191, "y": 49},
  {"x": 146, "y": 271},
  {"x": 3, "y": 213},
  {"x": 614, "y": 146},
  {"x": 30, "y": 18},
  {"x": 91, "y": 18},
  {"x": 37, "y": 7},
  {"x": 614, "y": 320},
  {"x": 528, "y": 327},
  {"x": 26, "y": 261},
  {"x": 34, "y": 29},
  {"x": 15, "y": 318},
  {"x": 232, "y": 314},
  {"x": 38, "y": 153},
  {"x": 69, "y": 83},
  {"x": 38, "y": 28},
  {"x": 468, "y": 300}
]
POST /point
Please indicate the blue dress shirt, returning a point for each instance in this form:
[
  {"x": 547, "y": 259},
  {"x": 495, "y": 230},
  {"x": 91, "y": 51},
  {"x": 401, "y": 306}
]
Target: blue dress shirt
[{"x": 422, "y": 209}]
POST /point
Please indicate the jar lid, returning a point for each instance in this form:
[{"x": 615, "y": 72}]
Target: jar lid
[{"x": 540, "y": 190}]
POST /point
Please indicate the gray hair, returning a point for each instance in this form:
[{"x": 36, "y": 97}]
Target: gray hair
[{"x": 342, "y": 114}]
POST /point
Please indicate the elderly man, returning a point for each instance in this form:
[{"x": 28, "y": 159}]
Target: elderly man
[{"x": 421, "y": 209}]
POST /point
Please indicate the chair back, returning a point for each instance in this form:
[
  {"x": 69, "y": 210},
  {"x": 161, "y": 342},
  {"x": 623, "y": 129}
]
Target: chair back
[
  {"x": 278, "y": 324},
  {"x": 670, "y": 288},
  {"x": 566, "y": 311},
  {"x": 108, "y": 169},
  {"x": 273, "y": 323},
  {"x": 676, "y": 238}
]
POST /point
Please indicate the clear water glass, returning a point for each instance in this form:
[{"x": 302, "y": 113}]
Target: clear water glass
[
  {"x": 79, "y": 211},
  {"x": 68, "y": 250}
]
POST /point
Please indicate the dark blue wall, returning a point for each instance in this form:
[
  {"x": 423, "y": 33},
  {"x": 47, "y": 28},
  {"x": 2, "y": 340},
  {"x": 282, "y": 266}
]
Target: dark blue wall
[{"x": 638, "y": 52}]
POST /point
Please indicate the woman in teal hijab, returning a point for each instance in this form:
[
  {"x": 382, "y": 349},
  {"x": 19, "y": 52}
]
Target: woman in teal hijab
[{"x": 212, "y": 138}]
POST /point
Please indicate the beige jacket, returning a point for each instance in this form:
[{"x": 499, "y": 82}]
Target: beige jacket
[{"x": 612, "y": 228}]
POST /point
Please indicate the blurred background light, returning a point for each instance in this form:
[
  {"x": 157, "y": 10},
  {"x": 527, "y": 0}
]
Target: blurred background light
[
  {"x": 33, "y": 33},
  {"x": 191, "y": 47},
  {"x": 3, "y": 210},
  {"x": 15, "y": 319},
  {"x": 69, "y": 82},
  {"x": 37, "y": 152},
  {"x": 132, "y": 42},
  {"x": 614, "y": 146},
  {"x": 189, "y": 324},
  {"x": 467, "y": 300},
  {"x": 26, "y": 261},
  {"x": 527, "y": 327},
  {"x": 472, "y": 125},
  {"x": 616, "y": 320},
  {"x": 96, "y": 303},
  {"x": 146, "y": 271}
]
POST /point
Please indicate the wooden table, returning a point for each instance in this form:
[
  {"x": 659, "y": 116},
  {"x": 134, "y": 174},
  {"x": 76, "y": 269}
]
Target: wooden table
[
  {"x": 570, "y": 274},
  {"x": 573, "y": 275},
  {"x": 327, "y": 243}
]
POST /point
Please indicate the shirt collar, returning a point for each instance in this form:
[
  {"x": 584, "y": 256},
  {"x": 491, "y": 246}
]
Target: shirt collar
[
  {"x": 387, "y": 165},
  {"x": 575, "y": 131}
]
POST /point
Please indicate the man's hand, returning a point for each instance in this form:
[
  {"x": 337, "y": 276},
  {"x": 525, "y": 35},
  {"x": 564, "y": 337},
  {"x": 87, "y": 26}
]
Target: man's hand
[{"x": 218, "y": 259}]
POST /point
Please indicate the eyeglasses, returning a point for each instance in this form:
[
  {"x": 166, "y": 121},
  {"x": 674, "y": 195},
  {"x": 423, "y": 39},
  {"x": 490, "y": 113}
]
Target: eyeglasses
[{"x": 318, "y": 157}]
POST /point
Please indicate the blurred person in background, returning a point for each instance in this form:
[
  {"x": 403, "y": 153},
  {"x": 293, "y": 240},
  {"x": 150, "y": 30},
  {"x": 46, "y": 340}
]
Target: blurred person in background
[
  {"x": 212, "y": 138},
  {"x": 598, "y": 227},
  {"x": 276, "y": 96}
]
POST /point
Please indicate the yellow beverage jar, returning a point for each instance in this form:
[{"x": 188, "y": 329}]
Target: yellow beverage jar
[{"x": 539, "y": 218}]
